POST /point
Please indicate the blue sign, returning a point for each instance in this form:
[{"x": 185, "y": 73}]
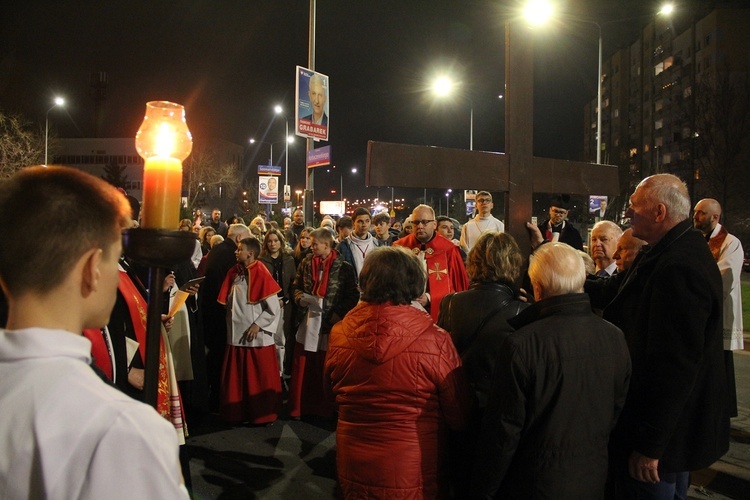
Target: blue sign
[
  {"x": 319, "y": 157},
  {"x": 269, "y": 170}
]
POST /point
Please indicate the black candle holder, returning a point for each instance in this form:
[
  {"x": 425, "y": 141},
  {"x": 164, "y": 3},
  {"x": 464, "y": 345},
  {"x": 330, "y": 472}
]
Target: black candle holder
[{"x": 159, "y": 250}]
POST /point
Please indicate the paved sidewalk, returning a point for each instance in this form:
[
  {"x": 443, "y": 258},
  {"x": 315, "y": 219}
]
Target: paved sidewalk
[
  {"x": 730, "y": 476},
  {"x": 296, "y": 459}
]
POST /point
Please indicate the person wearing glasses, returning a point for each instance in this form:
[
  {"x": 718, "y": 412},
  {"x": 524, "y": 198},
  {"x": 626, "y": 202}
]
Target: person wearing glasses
[
  {"x": 484, "y": 221},
  {"x": 442, "y": 260},
  {"x": 556, "y": 228}
]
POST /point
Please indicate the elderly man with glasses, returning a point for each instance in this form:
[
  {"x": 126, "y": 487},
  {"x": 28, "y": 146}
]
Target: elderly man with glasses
[
  {"x": 556, "y": 228},
  {"x": 445, "y": 268},
  {"x": 484, "y": 221}
]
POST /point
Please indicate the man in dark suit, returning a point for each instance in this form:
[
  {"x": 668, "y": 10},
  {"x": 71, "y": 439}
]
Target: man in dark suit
[
  {"x": 556, "y": 228},
  {"x": 219, "y": 260},
  {"x": 669, "y": 305}
]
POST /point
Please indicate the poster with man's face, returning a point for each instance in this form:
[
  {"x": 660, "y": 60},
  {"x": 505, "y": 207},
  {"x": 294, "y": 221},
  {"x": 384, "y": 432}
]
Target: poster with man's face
[
  {"x": 268, "y": 190},
  {"x": 311, "y": 111}
]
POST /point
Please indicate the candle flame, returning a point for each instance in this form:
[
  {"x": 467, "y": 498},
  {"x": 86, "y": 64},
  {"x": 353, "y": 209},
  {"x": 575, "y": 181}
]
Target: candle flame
[{"x": 165, "y": 140}]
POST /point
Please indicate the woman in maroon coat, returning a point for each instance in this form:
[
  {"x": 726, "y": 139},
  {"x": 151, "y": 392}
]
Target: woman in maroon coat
[{"x": 398, "y": 384}]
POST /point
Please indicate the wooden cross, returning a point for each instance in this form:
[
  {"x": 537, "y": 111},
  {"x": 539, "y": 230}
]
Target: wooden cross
[{"x": 517, "y": 172}]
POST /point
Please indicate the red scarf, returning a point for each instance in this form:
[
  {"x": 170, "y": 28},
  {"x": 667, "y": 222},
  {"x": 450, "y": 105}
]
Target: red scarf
[
  {"x": 260, "y": 284},
  {"x": 321, "y": 269}
]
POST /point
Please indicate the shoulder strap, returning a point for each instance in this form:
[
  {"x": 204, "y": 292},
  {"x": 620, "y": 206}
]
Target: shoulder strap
[{"x": 494, "y": 313}]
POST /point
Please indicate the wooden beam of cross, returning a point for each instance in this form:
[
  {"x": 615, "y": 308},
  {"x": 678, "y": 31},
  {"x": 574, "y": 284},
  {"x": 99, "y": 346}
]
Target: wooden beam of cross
[{"x": 518, "y": 173}]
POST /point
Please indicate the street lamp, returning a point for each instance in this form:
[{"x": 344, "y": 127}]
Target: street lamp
[
  {"x": 539, "y": 12},
  {"x": 59, "y": 101},
  {"x": 443, "y": 87},
  {"x": 289, "y": 140}
]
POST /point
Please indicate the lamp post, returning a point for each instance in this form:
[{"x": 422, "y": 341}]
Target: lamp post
[
  {"x": 59, "y": 101},
  {"x": 289, "y": 139},
  {"x": 539, "y": 11}
]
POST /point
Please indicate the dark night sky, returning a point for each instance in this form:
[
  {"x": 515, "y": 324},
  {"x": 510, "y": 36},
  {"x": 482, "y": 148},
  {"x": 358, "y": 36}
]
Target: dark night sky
[{"x": 229, "y": 62}]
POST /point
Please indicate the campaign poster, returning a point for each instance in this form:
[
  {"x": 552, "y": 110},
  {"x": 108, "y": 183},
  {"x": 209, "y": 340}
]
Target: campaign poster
[
  {"x": 597, "y": 205},
  {"x": 312, "y": 109},
  {"x": 268, "y": 190},
  {"x": 287, "y": 192}
]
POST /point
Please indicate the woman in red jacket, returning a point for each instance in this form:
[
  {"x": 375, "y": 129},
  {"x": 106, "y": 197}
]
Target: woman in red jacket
[{"x": 398, "y": 384}]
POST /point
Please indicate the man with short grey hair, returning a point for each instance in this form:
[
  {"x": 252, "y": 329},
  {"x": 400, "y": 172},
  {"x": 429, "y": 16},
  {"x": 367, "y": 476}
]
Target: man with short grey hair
[
  {"x": 559, "y": 384},
  {"x": 669, "y": 305},
  {"x": 604, "y": 238}
]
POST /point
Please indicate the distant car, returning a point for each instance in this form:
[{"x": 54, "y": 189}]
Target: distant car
[{"x": 746, "y": 262}]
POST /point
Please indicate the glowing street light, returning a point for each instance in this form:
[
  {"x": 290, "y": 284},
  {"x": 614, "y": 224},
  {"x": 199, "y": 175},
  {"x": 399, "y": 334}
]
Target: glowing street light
[
  {"x": 443, "y": 87},
  {"x": 538, "y": 12},
  {"x": 666, "y": 9},
  {"x": 59, "y": 101}
]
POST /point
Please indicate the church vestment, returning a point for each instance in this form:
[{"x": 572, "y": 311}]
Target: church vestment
[
  {"x": 250, "y": 382},
  {"x": 446, "y": 272},
  {"x": 729, "y": 255},
  {"x": 472, "y": 230}
]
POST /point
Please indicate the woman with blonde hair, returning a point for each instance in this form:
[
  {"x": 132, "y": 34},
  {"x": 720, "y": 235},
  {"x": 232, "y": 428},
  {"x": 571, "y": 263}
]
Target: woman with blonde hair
[
  {"x": 303, "y": 248},
  {"x": 204, "y": 236},
  {"x": 476, "y": 319}
]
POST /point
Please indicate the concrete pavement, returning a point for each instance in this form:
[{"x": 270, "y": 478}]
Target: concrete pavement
[
  {"x": 296, "y": 459},
  {"x": 730, "y": 476}
]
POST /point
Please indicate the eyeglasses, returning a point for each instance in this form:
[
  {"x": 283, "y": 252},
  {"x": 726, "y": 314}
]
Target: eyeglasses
[
  {"x": 484, "y": 200},
  {"x": 422, "y": 222},
  {"x": 559, "y": 211}
]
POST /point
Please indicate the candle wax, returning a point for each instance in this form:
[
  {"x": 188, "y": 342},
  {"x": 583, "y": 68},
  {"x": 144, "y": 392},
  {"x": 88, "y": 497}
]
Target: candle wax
[{"x": 162, "y": 190}]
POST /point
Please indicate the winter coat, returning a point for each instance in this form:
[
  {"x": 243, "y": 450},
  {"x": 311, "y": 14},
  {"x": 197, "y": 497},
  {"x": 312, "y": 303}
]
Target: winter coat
[
  {"x": 670, "y": 307},
  {"x": 476, "y": 320},
  {"x": 398, "y": 384},
  {"x": 558, "y": 388},
  {"x": 342, "y": 293}
]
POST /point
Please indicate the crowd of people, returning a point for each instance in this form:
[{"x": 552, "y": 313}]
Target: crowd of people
[{"x": 455, "y": 367}]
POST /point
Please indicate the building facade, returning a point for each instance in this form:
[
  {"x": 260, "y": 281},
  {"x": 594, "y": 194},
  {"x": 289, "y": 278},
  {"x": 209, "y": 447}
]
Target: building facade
[
  {"x": 650, "y": 90},
  {"x": 94, "y": 155}
]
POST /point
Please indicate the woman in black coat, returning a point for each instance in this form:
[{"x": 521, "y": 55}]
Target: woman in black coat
[{"x": 476, "y": 319}]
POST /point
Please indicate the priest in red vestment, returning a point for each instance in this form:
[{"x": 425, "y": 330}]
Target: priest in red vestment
[{"x": 446, "y": 272}]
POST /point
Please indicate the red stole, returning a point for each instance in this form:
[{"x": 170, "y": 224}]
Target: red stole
[
  {"x": 100, "y": 351},
  {"x": 321, "y": 269},
  {"x": 138, "y": 308},
  {"x": 716, "y": 242},
  {"x": 260, "y": 283}
]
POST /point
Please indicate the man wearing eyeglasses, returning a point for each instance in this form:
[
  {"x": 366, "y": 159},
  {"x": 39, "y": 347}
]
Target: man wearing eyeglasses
[
  {"x": 445, "y": 268},
  {"x": 484, "y": 221},
  {"x": 556, "y": 228}
]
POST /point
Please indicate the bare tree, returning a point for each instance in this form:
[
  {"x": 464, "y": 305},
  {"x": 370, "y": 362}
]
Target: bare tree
[
  {"x": 208, "y": 181},
  {"x": 20, "y": 145},
  {"x": 722, "y": 105}
]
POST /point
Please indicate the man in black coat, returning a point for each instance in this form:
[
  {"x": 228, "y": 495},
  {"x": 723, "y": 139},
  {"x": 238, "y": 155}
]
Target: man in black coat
[
  {"x": 669, "y": 305},
  {"x": 556, "y": 228},
  {"x": 558, "y": 388},
  {"x": 219, "y": 260}
]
